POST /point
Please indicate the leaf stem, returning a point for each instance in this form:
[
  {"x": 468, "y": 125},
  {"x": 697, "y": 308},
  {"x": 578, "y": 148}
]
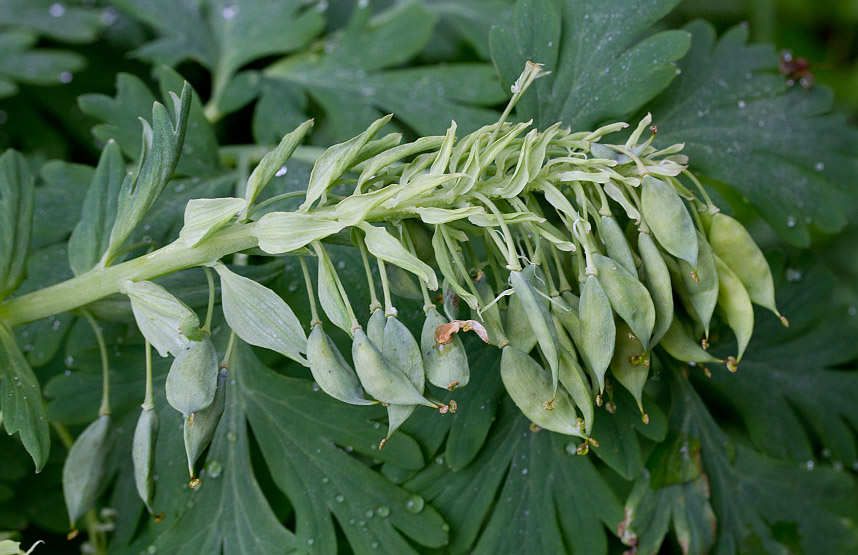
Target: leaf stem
[
  {"x": 207, "y": 327},
  {"x": 148, "y": 400},
  {"x": 314, "y": 314},
  {"x": 104, "y": 410}
]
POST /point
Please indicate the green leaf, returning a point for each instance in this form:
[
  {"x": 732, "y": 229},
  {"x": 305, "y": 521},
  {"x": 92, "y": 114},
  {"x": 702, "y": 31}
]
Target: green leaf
[
  {"x": 61, "y": 21},
  {"x": 351, "y": 80},
  {"x": 471, "y": 20},
  {"x": 764, "y": 505},
  {"x": 742, "y": 125},
  {"x": 223, "y": 35},
  {"x": 21, "y": 62},
  {"x": 16, "y": 216},
  {"x": 604, "y": 60},
  {"x": 21, "y": 400},
  {"x": 59, "y": 200},
  {"x": 90, "y": 237},
  {"x": 516, "y": 496},
  {"x": 788, "y": 375}
]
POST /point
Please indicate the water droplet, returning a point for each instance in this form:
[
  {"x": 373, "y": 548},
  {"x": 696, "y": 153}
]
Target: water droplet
[
  {"x": 66, "y": 77},
  {"x": 826, "y": 452},
  {"x": 524, "y": 472},
  {"x": 230, "y": 436},
  {"x": 362, "y": 4},
  {"x": 819, "y": 166},
  {"x": 57, "y": 10},
  {"x": 152, "y": 549},
  {"x": 325, "y": 479},
  {"x": 414, "y": 503},
  {"x": 310, "y": 541},
  {"x": 214, "y": 468},
  {"x": 445, "y": 527},
  {"x": 376, "y": 425},
  {"x": 108, "y": 16},
  {"x": 229, "y": 12},
  {"x": 837, "y": 465},
  {"x": 790, "y": 222},
  {"x": 340, "y": 498},
  {"x": 383, "y": 511},
  {"x": 810, "y": 465},
  {"x": 281, "y": 172},
  {"x": 741, "y": 104},
  {"x": 374, "y": 545},
  {"x": 439, "y": 460},
  {"x": 368, "y": 513},
  {"x": 793, "y": 275}
]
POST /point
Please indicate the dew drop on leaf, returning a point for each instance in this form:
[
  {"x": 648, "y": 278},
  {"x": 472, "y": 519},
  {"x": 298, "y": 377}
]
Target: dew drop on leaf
[
  {"x": 340, "y": 498},
  {"x": 383, "y": 511},
  {"x": 414, "y": 504},
  {"x": 214, "y": 468}
]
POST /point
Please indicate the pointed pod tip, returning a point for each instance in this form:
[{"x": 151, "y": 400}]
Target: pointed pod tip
[
  {"x": 732, "y": 364},
  {"x": 382, "y": 443},
  {"x": 784, "y": 321},
  {"x": 195, "y": 483},
  {"x": 73, "y": 533},
  {"x": 159, "y": 518}
]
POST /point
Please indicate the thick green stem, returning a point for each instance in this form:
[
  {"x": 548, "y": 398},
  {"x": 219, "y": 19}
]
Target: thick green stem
[{"x": 101, "y": 282}]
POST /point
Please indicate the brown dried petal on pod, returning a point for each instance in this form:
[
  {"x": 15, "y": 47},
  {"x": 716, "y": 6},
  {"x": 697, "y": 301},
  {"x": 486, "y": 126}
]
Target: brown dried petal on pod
[{"x": 444, "y": 332}]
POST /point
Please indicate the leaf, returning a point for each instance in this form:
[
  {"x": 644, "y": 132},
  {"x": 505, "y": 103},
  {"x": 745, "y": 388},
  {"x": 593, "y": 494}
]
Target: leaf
[
  {"x": 603, "y": 59},
  {"x": 59, "y": 200},
  {"x": 90, "y": 237},
  {"x": 351, "y": 80},
  {"x": 16, "y": 216},
  {"x": 788, "y": 375},
  {"x": 770, "y": 139},
  {"x": 472, "y": 20},
  {"x": 20, "y": 62},
  {"x": 205, "y": 217},
  {"x": 223, "y": 35},
  {"x": 764, "y": 505},
  {"x": 66, "y": 23},
  {"x": 515, "y": 496},
  {"x": 21, "y": 400}
]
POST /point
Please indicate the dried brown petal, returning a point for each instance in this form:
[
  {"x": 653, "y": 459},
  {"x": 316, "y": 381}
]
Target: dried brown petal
[{"x": 444, "y": 332}]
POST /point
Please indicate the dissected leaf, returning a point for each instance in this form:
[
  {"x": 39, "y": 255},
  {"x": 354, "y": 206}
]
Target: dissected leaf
[
  {"x": 21, "y": 62},
  {"x": 16, "y": 215}
]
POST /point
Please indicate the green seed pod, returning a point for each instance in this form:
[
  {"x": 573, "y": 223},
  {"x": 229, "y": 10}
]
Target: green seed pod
[
  {"x": 668, "y": 218},
  {"x": 381, "y": 379},
  {"x": 192, "y": 380},
  {"x": 616, "y": 245},
  {"x": 630, "y": 365},
  {"x": 530, "y": 386},
  {"x": 200, "y": 427},
  {"x": 517, "y": 327},
  {"x": 330, "y": 297},
  {"x": 386, "y": 247},
  {"x": 490, "y": 317},
  {"x": 734, "y": 245},
  {"x": 331, "y": 371},
  {"x": 598, "y": 331},
  {"x": 375, "y": 327},
  {"x": 402, "y": 284},
  {"x": 572, "y": 376},
  {"x": 538, "y": 316},
  {"x": 85, "y": 468},
  {"x": 143, "y": 454},
  {"x": 445, "y": 365},
  {"x": 735, "y": 305},
  {"x": 259, "y": 316},
  {"x": 681, "y": 345},
  {"x": 401, "y": 350},
  {"x": 657, "y": 280},
  {"x": 445, "y": 264},
  {"x": 701, "y": 282},
  {"x": 165, "y": 321},
  {"x": 628, "y": 296}
]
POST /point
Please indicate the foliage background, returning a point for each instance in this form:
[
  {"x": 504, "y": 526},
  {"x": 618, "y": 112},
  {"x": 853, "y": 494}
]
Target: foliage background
[{"x": 776, "y": 441}]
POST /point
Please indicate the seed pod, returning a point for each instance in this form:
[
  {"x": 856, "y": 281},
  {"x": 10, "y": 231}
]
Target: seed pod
[
  {"x": 735, "y": 305},
  {"x": 572, "y": 376},
  {"x": 165, "y": 321},
  {"x": 401, "y": 350},
  {"x": 331, "y": 371},
  {"x": 200, "y": 429},
  {"x": 657, "y": 279},
  {"x": 386, "y": 247},
  {"x": 451, "y": 302},
  {"x": 381, "y": 379},
  {"x": 445, "y": 263},
  {"x": 192, "y": 380},
  {"x": 629, "y": 298},
  {"x": 630, "y": 365},
  {"x": 735, "y": 247},
  {"x": 539, "y": 318},
  {"x": 85, "y": 468},
  {"x": 445, "y": 365},
  {"x": 517, "y": 327},
  {"x": 530, "y": 385},
  {"x": 598, "y": 331},
  {"x": 375, "y": 327},
  {"x": 143, "y": 454},
  {"x": 616, "y": 245},
  {"x": 681, "y": 345},
  {"x": 701, "y": 282},
  {"x": 668, "y": 218},
  {"x": 490, "y": 317},
  {"x": 330, "y": 297},
  {"x": 259, "y": 316}
]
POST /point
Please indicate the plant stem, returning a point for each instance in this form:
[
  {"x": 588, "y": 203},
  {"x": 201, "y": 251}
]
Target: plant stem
[
  {"x": 311, "y": 297},
  {"x": 105, "y": 365},
  {"x": 207, "y": 327},
  {"x": 148, "y": 401}
]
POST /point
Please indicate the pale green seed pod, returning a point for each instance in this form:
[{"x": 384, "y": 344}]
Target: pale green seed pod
[
  {"x": 386, "y": 247},
  {"x": 330, "y": 298},
  {"x": 517, "y": 327},
  {"x": 701, "y": 282},
  {"x": 401, "y": 350},
  {"x": 598, "y": 331},
  {"x": 379, "y": 378},
  {"x": 668, "y": 218},
  {"x": 616, "y": 245},
  {"x": 573, "y": 378},
  {"x": 539, "y": 318},
  {"x": 657, "y": 280},
  {"x": 451, "y": 302},
  {"x": 735, "y": 306},
  {"x": 445, "y": 365},
  {"x": 192, "y": 380},
  {"x": 331, "y": 371},
  {"x": 143, "y": 454},
  {"x": 85, "y": 468},
  {"x": 681, "y": 345},
  {"x": 629, "y": 298},
  {"x": 735, "y": 246},
  {"x": 402, "y": 284},
  {"x": 491, "y": 317},
  {"x": 200, "y": 427},
  {"x": 375, "y": 326},
  {"x": 630, "y": 365},
  {"x": 165, "y": 321},
  {"x": 259, "y": 316},
  {"x": 530, "y": 386}
]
